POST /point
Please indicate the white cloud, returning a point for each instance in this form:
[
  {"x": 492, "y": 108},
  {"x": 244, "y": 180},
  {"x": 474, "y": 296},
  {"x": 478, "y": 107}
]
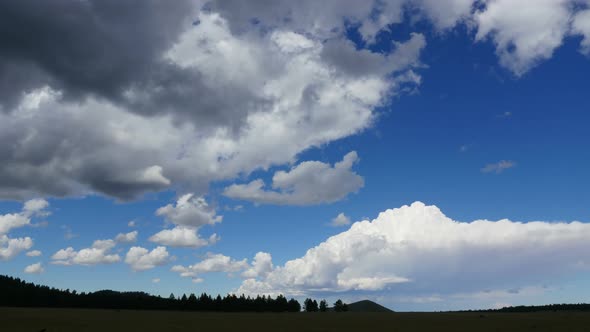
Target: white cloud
[
  {"x": 156, "y": 280},
  {"x": 581, "y": 26},
  {"x": 9, "y": 248},
  {"x": 126, "y": 237},
  {"x": 498, "y": 167},
  {"x": 31, "y": 208},
  {"x": 310, "y": 182},
  {"x": 141, "y": 259},
  {"x": 261, "y": 266},
  {"x": 189, "y": 211},
  {"x": 36, "y": 268},
  {"x": 99, "y": 253},
  {"x": 446, "y": 14},
  {"x": 11, "y": 221},
  {"x": 181, "y": 237},
  {"x": 212, "y": 263},
  {"x": 340, "y": 220},
  {"x": 36, "y": 207},
  {"x": 525, "y": 32},
  {"x": 34, "y": 253},
  {"x": 132, "y": 223},
  {"x": 189, "y": 214},
  {"x": 417, "y": 251}
]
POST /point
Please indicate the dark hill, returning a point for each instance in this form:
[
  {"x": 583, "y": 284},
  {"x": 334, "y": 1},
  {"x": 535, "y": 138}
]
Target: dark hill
[{"x": 367, "y": 306}]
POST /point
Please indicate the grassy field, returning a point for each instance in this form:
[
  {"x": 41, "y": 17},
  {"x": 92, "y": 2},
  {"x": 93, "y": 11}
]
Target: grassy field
[{"x": 80, "y": 320}]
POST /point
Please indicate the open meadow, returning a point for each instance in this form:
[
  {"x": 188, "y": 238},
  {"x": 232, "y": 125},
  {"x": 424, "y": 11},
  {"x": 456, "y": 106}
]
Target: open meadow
[{"x": 96, "y": 320}]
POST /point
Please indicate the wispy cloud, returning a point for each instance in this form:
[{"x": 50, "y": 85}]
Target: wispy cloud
[{"x": 498, "y": 167}]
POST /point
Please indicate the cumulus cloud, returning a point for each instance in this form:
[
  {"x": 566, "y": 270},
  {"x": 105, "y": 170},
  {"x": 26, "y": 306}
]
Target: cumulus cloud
[
  {"x": 98, "y": 253},
  {"x": 340, "y": 220},
  {"x": 189, "y": 214},
  {"x": 185, "y": 82},
  {"x": 189, "y": 211},
  {"x": 31, "y": 208},
  {"x": 182, "y": 237},
  {"x": 498, "y": 167},
  {"x": 525, "y": 32},
  {"x": 416, "y": 250},
  {"x": 310, "y": 182},
  {"x": 211, "y": 263},
  {"x": 126, "y": 237},
  {"x": 141, "y": 259},
  {"x": 581, "y": 26},
  {"x": 36, "y": 268},
  {"x": 10, "y": 248},
  {"x": 34, "y": 253},
  {"x": 227, "y": 97},
  {"x": 36, "y": 207},
  {"x": 261, "y": 266}
]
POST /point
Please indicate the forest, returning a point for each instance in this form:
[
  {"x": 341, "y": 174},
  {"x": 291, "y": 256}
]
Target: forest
[{"x": 19, "y": 293}]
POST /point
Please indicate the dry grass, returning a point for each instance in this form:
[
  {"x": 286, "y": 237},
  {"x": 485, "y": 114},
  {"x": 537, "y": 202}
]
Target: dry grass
[{"x": 81, "y": 320}]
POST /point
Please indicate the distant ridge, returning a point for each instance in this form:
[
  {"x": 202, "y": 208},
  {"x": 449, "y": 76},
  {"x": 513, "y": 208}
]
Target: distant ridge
[{"x": 367, "y": 306}]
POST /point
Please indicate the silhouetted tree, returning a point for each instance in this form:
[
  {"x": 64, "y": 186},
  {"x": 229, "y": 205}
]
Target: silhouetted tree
[
  {"x": 310, "y": 305},
  {"x": 323, "y": 306},
  {"x": 18, "y": 293},
  {"x": 340, "y": 306},
  {"x": 294, "y": 305}
]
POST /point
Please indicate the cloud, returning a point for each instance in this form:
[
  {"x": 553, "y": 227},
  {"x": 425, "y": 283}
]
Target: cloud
[
  {"x": 189, "y": 211},
  {"x": 132, "y": 223},
  {"x": 10, "y": 248},
  {"x": 184, "y": 82},
  {"x": 227, "y": 97},
  {"x": 36, "y": 207},
  {"x": 34, "y": 253},
  {"x": 98, "y": 253},
  {"x": 310, "y": 182},
  {"x": 127, "y": 237},
  {"x": 156, "y": 280},
  {"x": 36, "y": 268},
  {"x": 525, "y": 32},
  {"x": 141, "y": 259},
  {"x": 31, "y": 208},
  {"x": 211, "y": 263},
  {"x": 581, "y": 26},
  {"x": 11, "y": 221},
  {"x": 182, "y": 237},
  {"x": 261, "y": 266},
  {"x": 417, "y": 251},
  {"x": 189, "y": 214},
  {"x": 340, "y": 220},
  {"x": 498, "y": 167}
]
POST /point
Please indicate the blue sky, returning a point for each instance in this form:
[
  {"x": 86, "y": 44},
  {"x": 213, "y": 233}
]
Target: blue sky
[{"x": 477, "y": 112}]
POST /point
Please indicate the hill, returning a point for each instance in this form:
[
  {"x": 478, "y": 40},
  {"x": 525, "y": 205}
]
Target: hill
[{"x": 367, "y": 306}]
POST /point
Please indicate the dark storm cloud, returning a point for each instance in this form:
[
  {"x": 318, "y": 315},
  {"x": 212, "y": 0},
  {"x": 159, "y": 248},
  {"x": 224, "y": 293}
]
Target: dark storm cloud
[{"x": 84, "y": 47}]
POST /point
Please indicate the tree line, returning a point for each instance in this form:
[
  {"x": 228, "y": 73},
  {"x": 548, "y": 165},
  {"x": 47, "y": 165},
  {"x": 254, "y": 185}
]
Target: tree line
[
  {"x": 15, "y": 292},
  {"x": 538, "y": 308}
]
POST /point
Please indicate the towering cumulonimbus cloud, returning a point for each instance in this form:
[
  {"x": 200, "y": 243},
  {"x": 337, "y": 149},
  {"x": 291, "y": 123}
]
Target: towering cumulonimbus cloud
[{"x": 416, "y": 250}]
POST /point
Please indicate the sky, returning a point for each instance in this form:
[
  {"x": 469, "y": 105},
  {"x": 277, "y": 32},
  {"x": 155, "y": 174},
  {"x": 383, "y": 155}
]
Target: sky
[{"x": 428, "y": 155}]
